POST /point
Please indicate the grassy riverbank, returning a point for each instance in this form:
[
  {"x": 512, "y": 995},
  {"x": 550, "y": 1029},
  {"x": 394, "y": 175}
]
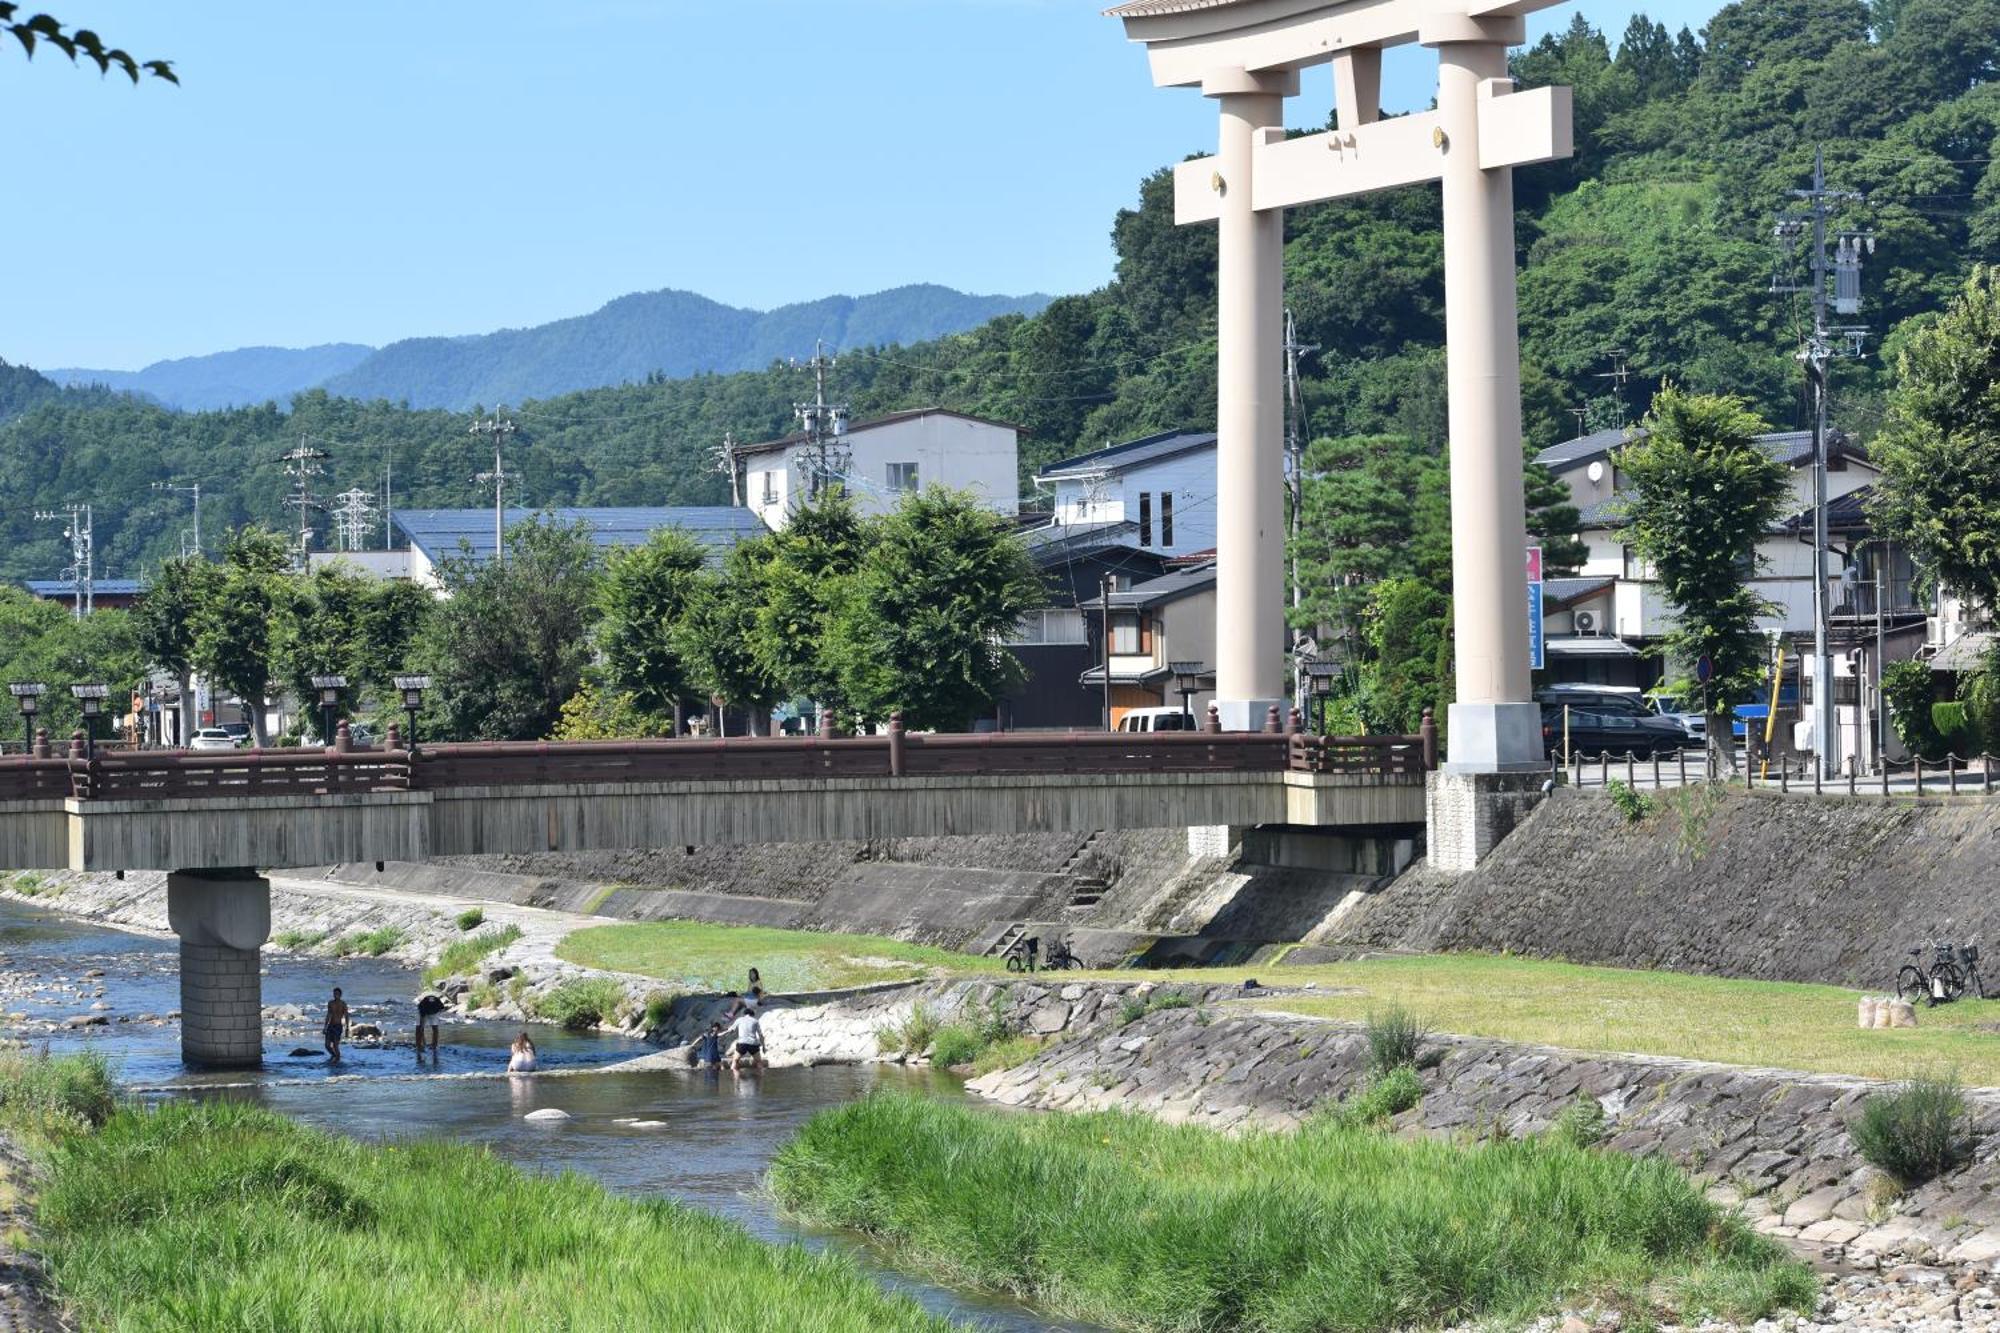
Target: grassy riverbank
[
  {"x": 698, "y": 956},
  {"x": 220, "y": 1215},
  {"x": 1127, "y": 1221}
]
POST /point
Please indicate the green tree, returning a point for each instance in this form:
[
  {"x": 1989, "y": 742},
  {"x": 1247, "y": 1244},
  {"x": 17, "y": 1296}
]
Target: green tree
[
  {"x": 1405, "y": 636},
  {"x": 165, "y": 620},
  {"x": 821, "y": 546},
  {"x": 919, "y": 627},
  {"x": 717, "y": 635},
  {"x": 509, "y": 644},
  {"x": 335, "y": 621},
  {"x": 235, "y": 622},
  {"x": 1359, "y": 498},
  {"x": 1940, "y": 450},
  {"x": 644, "y": 595},
  {"x": 1701, "y": 495},
  {"x": 41, "y": 641}
]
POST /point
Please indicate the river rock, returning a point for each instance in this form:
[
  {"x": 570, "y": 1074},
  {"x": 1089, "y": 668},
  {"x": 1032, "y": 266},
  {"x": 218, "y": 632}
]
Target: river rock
[
  {"x": 649, "y": 1124},
  {"x": 95, "y": 972},
  {"x": 548, "y": 1115},
  {"x": 1050, "y": 1018},
  {"x": 362, "y": 1030},
  {"x": 301, "y": 1053},
  {"x": 85, "y": 1021}
]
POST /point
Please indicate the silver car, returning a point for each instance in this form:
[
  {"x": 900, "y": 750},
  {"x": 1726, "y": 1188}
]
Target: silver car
[{"x": 1693, "y": 721}]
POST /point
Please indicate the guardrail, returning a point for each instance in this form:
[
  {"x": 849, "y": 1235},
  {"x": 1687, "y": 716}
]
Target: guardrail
[{"x": 184, "y": 775}]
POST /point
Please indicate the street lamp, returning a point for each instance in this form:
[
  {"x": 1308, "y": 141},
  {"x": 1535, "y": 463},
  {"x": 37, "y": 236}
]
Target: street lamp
[
  {"x": 329, "y": 688},
  {"x": 90, "y": 698},
  {"x": 1187, "y": 679},
  {"x": 413, "y": 688},
  {"x": 28, "y": 695}
]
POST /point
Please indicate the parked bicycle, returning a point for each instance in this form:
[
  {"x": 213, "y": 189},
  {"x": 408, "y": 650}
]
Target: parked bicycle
[
  {"x": 1026, "y": 956},
  {"x": 1953, "y": 970},
  {"x": 1060, "y": 958}
]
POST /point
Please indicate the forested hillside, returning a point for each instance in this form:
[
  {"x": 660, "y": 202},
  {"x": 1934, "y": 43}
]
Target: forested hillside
[
  {"x": 226, "y": 379},
  {"x": 1656, "y": 240}
]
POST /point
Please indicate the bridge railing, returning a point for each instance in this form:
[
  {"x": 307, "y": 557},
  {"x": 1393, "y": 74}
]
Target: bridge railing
[{"x": 182, "y": 775}]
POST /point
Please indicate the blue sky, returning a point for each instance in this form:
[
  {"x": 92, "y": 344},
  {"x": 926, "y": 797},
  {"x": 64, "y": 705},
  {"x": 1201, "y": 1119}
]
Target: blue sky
[{"x": 372, "y": 170}]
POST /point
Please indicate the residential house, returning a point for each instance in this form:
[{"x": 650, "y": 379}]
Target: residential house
[
  {"x": 1162, "y": 642},
  {"x": 105, "y": 594},
  {"x": 878, "y": 462},
  {"x": 1056, "y": 645},
  {"x": 1164, "y": 485}
]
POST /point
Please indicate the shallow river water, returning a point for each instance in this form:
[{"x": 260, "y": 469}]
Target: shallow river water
[{"x": 717, "y": 1141}]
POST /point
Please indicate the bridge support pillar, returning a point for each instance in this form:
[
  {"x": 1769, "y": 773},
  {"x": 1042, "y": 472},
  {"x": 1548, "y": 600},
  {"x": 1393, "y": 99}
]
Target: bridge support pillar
[
  {"x": 1467, "y": 814},
  {"x": 223, "y": 918}
]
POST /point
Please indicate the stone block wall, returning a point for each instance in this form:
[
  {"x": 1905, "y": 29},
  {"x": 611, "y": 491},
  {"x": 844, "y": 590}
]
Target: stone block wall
[
  {"x": 222, "y": 1006},
  {"x": 1467, "y": 814}
]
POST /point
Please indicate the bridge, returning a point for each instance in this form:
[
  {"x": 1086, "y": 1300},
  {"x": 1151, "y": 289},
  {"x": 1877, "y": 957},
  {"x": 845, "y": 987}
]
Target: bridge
[{"x": 216, "y": 821}]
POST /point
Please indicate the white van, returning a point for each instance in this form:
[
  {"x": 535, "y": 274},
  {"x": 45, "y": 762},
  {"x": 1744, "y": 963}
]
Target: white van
[{"x": 1157, "y": 719}]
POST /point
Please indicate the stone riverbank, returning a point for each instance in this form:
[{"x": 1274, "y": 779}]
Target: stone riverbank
[{"x": 25, "y": 1304}]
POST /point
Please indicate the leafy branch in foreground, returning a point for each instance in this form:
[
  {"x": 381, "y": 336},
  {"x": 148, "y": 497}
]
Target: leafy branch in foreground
[{"x": 43, "y": 28}]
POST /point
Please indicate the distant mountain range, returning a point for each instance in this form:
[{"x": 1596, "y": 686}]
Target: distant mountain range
[{"x": 672, "y": 333}]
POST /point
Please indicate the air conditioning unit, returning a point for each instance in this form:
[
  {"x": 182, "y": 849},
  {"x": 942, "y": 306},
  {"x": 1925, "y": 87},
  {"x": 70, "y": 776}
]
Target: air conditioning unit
[{"x": 1585, "y": 622}]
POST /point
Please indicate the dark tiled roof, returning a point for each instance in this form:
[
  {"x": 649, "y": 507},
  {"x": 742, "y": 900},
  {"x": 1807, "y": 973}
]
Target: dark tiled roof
[
  {"x": 1150, "y": 449},
  {"x": 912, "y": 414},
  {"x": 1561, "y": 592},
  {"x": 1793, "y": 448},
  {"x": 1169, "y": 587},
  {"x": 1561, "y": 457},
  {"x": 438, "y": 532},
  {"x": 1845, "y": 514},
  {"x": 63, "y": 588}
]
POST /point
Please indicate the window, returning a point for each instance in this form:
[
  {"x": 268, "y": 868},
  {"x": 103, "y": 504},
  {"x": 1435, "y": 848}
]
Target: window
[
  {"x": 1056, "y": 624},
  {"x": 1125, "y": 637},
  {"x": 1166, "y": 518},
  {"x": 770, "y": 488},
  {"x": 1145, "y": 519},
  {"x": 902, "y": 476}
]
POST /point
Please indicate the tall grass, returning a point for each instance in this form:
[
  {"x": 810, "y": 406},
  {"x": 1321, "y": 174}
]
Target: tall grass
[
  {"x": 582, "y": 1002},
  {"x": 462, "y": 956},
  {"x": 1127, "y": 1221},
  {"x": 50, "y": 1097},
  {"x": 373, "y": 943},
  {"x": 219, "y": 1215},
  {"x": 1918, "y": 1132}
]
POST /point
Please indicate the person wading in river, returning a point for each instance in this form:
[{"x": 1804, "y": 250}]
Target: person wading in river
[
  {"x": 428, "y": 1009},
  {"x": 749, "y": 1043},
  {"x": 522, "y": 1057},
  {"x": 336, "y": 1025}
]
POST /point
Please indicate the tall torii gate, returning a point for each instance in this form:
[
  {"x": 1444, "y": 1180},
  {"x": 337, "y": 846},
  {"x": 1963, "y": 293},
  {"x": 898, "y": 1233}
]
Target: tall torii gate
[{"x": 1247, "y": 54}]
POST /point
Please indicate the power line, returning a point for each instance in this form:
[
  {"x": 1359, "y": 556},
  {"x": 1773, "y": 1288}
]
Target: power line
[
  {"x": 81, "y": 529},
  {"x": 824, "y": 424},
  {"x": 302, "y": 465}
]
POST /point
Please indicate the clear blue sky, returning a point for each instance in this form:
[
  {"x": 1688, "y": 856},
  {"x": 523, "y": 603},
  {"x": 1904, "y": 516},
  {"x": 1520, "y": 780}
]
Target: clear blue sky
[{"x": 374, "y": 170}]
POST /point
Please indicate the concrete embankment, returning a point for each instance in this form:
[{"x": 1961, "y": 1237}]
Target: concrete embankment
[{"x": 1782, "y": 888}]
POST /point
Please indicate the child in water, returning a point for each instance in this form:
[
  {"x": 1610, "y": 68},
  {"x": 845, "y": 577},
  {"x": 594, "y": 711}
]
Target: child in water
[{"x": 521, "y": 1060}]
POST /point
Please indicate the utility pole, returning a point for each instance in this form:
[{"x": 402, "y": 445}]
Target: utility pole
[
  {"x": 302, "y": 465},
  {"x": 388, "y": 497},
  {"x": 80, "y": 528},
  {"x": 1295, "y": 416},
  {"x": 1817, "y": 356},
  {"x": 497, "y": 428},
  {"x": 1881, "y": 647},
  {"x": 193, "y": 490},
  {"x": 1104, "y": 595},
  {"x": 1618, "y": 374},
  {"x": 725, "y": 461},
  {"x": 824, "y": 424}
]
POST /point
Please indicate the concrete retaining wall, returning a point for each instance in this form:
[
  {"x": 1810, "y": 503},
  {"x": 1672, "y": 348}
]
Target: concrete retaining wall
[{"x": 1783, "y": 888}]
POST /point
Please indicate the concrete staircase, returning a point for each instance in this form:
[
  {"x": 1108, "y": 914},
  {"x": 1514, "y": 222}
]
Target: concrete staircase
[{"x": 1086, "y": 891}]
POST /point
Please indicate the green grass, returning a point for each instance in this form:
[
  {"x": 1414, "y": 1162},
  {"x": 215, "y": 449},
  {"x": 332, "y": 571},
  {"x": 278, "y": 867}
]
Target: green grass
[
  {"x": 1769, "y": 1023},
  {"x": 298, "y": 939},
  {"x": 471, "y": 918},
  {"x": 28, "y": 884},
  {"x": 697, "y": 956},
  {"x": 373, "y": 943},
  {"x": 218, "y": 1215},
  {"x": 581, "y": 1002},
  {"x": 46, "y": 1098},
  {"x": 462, "y": 956},
  {"x": 1126, "y": 1221},
  {"x": 1919, "y": 1131}
]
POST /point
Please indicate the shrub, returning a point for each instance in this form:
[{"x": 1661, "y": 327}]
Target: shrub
[
  {"x": 1954, "y": 730},
  {"x": 1634, "y": 805},
  {"x": 1979, "y": 691},
  {"x": 912, "y": 1036},
  {"x": 471, "y": 918},
  {"x": 955, "y": 1044},
  {"x": 582, "y": 1002},
  {"x": 298, "y": 939},
  {"x": 1917, "y": 1132},
  {"x": 1581, "y": 1124},
  {"x": 1907, "y": 688},
  {"x": 483, "y": 995},
  {"x": 1137, "y": 1007},
  {"x": 1395, "y": 1041},
  {"x": 462, "y": 956},
  {"x": 50, "y": 1097},
  {"x": 659, "y": 1008},
  {"x": 373, "y": 943},
  {"x": 1389, "y": 1094}
]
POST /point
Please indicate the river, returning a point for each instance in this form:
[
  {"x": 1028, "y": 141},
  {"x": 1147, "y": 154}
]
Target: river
[{"x": 716, "y": 1142}]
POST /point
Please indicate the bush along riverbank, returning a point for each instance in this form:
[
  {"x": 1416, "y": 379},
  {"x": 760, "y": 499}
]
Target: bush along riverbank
[
  {"x": 1127, "y": 1221},
  {"x": 217, "y": 1215}
]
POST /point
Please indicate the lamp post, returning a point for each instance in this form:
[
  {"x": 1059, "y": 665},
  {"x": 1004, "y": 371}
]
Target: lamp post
[
  {"x": 28, "y": 695},
  {"x": 412, "y": 688},
  {"x": 90, "y": 699},
  {"x": 1187, "y": 679},
  {"x": 329, "y": 688}
]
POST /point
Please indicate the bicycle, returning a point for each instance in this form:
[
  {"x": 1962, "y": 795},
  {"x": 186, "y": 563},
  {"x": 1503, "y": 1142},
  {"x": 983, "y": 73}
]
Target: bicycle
[
  {"x": 1060, "y": 958},
  {"x": 1021, "y": 957},
  {"x": 1946, "y": 979}
]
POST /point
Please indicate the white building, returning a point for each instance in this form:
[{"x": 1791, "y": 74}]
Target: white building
[
  {"x": 1165, "y": 484},
  {"x": 878, "y": 462}
]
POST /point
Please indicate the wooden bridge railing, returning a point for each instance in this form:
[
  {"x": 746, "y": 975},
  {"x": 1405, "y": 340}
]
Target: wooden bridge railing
[{"x": 183, "y": 775}]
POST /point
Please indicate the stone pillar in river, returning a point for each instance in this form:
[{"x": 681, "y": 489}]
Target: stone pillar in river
[{"x": 223, "y": 918}]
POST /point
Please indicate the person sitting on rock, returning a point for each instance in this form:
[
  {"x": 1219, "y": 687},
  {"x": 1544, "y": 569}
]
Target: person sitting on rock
[{"x": 522, "y": 1057}]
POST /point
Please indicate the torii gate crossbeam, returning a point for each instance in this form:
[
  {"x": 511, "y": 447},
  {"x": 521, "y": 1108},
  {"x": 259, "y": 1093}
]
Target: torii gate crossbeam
[{"x": 1247, "y": 54}]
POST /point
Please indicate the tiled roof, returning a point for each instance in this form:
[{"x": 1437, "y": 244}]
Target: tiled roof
[
  {"x": 1793, "y": 448},
  {"x": 1561, "y": 592},
  {"x": 1965, "y": 653},
  {"x": 912, "y": 414},
  {"x": 439, "y": 532},
  {"x": 1150, "y": 449},
  {"x": 63, "y": 588},
  {"x": 1072, "y": 538},
  {"x": 1168, "y": 587},
  {"x": 1844, "y": 514}
]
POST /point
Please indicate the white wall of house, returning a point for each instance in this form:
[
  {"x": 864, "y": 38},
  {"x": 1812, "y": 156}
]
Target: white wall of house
[
  {"x": 885, "y": 461},
  {"x": 1135, "y": 494}
]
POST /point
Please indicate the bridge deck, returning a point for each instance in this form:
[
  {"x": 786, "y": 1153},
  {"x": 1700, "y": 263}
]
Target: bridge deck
[{"x": 175, "y": 810}]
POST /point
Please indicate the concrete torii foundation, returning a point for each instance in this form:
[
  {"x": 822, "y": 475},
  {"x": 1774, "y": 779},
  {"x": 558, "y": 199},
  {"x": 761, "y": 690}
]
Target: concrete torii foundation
[
  {"x": 223, "y": 918},
  {"x": 1247, "y": 54}
]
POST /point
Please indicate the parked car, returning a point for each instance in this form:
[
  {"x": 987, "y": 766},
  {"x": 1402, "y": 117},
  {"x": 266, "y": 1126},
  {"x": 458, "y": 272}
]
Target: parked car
[
  {"x": 240, "y": 730},
  {"x": 213, "y": 738},
  {"x": 1157, "y": 719},
  {"x": 1605, "y": 719},
  {"x": 1685, "y": 711}
]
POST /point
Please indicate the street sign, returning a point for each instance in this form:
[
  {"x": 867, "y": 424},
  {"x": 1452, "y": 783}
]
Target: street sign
[
  {"x": 1537, "y": 644},
  {"x": 1704, "y": 668}
]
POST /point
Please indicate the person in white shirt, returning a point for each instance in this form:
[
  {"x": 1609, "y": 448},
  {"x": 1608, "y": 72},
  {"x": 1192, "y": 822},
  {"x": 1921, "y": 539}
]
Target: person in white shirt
[{"x": 749, "y": 1042}]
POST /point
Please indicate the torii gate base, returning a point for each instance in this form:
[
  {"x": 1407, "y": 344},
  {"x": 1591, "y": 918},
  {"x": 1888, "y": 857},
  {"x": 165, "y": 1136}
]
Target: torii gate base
[{"x": 1467, "y": 814}]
